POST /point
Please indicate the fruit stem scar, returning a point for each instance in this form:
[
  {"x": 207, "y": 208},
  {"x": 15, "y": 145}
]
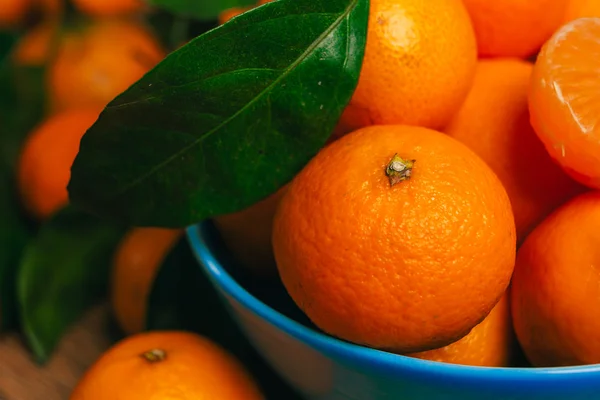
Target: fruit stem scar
[
  {"x": 154, "y": 355},
  {"x": 398, "y": 169}
]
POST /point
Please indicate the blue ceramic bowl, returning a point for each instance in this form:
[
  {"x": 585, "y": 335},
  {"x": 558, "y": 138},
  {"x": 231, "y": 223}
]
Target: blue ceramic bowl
[{"x": 324, "y": 368}]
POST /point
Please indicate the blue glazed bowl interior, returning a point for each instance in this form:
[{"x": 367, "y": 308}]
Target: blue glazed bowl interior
[{"x": 268, "y": 300}]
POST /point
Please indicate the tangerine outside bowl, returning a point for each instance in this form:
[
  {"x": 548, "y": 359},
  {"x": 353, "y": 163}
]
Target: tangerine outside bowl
[{"x": 321, "y": 367}]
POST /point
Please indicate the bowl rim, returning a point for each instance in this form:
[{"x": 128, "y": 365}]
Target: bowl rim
[{"x": 356, "y": 354}]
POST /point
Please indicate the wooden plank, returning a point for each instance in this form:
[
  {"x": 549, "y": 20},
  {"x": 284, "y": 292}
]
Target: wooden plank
[{"x": 22, "y": 379}]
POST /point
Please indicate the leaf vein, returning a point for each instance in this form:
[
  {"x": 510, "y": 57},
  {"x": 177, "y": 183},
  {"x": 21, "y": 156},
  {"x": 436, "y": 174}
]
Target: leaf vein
[{"x": 293, "y": 66}]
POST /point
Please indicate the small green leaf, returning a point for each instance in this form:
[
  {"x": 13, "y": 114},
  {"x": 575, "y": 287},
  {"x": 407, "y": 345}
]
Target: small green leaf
[
  {"x": 14, "y": 235},
  {"x": 225, "y": 120},
  {"x": 202, "y": 10},
  {"x": 64, "y": 270}
]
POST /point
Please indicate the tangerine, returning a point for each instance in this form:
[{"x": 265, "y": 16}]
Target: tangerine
[
  {"x": 136, "y": 263},
  {"x": 247, "y": 233},
  {"x": 494, "y": 122},
  {"x": 166, "y": 365},
  {"x": 12, "y": 12},
  {"x": 514, "y": 28},
  {"x": 418, "y": 66},
  {"x": 564, "y": 99},
  {"x": 97, "y": 63},
  {"x": 556, "y": 287},
  {"x": 489, "y": 344},
  {"x": 582, "y": 9},
  {"x": 392, "y": 253},
  {"x": 44, "y": 166}
]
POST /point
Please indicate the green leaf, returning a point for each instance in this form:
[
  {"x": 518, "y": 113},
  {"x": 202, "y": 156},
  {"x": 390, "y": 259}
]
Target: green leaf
[
  {"x": 202, "y": 10},
  {"x": 64, "y": 270},
  {"x": 227, "y": 119},
  {"x": 182, "y": 298},
  {"x": 14, "y": 235}
]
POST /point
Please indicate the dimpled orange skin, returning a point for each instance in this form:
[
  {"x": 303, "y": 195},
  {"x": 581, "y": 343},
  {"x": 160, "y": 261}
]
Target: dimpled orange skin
[
  {"x": 582, "y": 9},
  {"x": 44, "y": 166},
  {"x": 12, "y": 12},
  {"x": 405, "y": 268},
  {"x": 136, "y": 263},
  {"x": 564, "y": 99},
  {"x": 556, "y": 287},
  {"x": 419, "y": 63},
  {"x": 494, "y": 122},
  {"x": 489, "y": 344},
  {"x": 514, "y": 28},
  {"x": 104, "y": 8},
  {"x": 194, "y": 368},
  {"x": 96, "y": 64}
]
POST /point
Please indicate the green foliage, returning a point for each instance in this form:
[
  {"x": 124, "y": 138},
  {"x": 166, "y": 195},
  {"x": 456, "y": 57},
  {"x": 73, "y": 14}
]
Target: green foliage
[
  {"x": 63, "y": 272},
  {"x": 14, "y": 235},
  {"x": 225, "y": 120}
]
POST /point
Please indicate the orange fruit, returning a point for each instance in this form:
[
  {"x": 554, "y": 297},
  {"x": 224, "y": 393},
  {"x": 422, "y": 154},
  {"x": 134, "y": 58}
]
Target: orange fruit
[
  {"x": 12, "y": 12},
  {"x": 44, "y": 166},
  {"x": 391, "y": 254},
  {"x": 419, "y": 63},
  {"x": 136, "y": 263},
  {"x": 166, "y": 365},
  {"x": 494, "y": 122},
  {"x": 564, "y": 99},
  {"x": 514, "y": 28},
  {"x": 97, "y": 63},
  {"x": 556, "y": 287},
  {"x": 489, "y": 344},
  {"x": 247, "y": 233},
  {"x": 35, "y": 47},
  {"x": 105, "y": 8},
  {"x": 582, "y": 9}
]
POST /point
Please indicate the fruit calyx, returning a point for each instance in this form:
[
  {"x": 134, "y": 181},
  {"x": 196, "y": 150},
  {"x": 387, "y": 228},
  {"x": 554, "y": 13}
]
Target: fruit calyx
[
  {"x": 399, "y": 169},
  {"x": 154, "y": 355}
]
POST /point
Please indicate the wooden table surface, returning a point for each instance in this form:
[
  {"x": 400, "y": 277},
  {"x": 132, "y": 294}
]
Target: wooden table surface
[{"x": 22, "y": 379}]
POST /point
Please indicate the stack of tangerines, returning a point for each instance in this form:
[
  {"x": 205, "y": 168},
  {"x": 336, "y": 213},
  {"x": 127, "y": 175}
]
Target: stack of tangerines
[
  {"x": 455, "y": 203},
  {"x": 87, "y": 64},
  {"x": 450, "y": 217}
]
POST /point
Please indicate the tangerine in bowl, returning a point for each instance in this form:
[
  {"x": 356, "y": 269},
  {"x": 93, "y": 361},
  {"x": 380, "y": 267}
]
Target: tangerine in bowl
[{"x": 322, "y": 367}]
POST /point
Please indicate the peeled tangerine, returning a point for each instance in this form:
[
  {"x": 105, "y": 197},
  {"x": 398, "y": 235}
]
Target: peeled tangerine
[
  {"x": 395, "y": 237},
  {"x": 564, "y": 99}
]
